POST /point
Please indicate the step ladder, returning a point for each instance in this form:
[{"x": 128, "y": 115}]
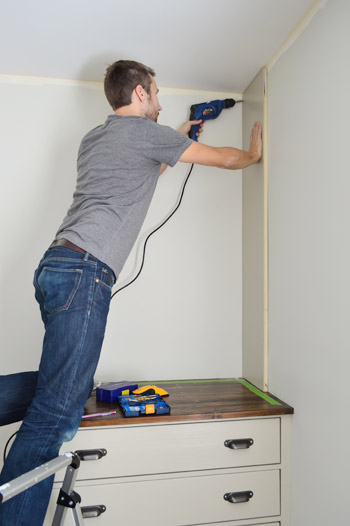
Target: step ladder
[{"x": 68, "y": 499}]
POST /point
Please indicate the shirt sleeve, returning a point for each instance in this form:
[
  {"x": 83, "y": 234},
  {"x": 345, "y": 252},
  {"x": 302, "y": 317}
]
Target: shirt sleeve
[{"x": 166, "y": 144}]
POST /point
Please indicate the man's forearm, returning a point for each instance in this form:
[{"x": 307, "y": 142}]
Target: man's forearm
[
  {"x": 226, "y": 157},
  {"x": 163, "y": 167},
  {"x": 235, "y": 159}
]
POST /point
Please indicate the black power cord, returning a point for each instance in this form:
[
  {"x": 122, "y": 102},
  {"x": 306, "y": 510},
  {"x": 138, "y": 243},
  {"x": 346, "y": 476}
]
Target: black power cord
[
  {"x": 140, "y": 270},
  {"x": 7, "y": 444},
  {"x": 154, "y": 231}
]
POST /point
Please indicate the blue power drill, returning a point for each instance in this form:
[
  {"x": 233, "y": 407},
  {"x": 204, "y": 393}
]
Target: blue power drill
[{"x": 207, "y": 110}]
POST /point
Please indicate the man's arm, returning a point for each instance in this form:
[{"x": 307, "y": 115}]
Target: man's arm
[
  {"x": 163, "y": 167},
  {"x": 226, "y": 157}
]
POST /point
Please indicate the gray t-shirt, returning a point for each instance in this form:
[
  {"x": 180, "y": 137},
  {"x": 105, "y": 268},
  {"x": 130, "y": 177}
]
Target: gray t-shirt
[{"x": 118, "y": 169}]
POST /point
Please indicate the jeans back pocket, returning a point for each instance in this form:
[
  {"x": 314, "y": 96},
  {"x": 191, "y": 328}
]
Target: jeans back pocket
[{"x": 58, "y": 287}]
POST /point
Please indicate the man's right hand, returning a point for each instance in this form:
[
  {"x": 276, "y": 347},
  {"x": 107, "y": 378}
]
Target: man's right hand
[{"x": 186, "y": 127}]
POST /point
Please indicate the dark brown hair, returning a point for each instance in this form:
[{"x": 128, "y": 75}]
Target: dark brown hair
[{"x": 121, "y": 79}]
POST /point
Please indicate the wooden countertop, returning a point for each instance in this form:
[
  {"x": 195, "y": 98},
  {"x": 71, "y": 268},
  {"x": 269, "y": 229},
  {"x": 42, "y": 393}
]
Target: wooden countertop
[{"x": 196, "y": 400}]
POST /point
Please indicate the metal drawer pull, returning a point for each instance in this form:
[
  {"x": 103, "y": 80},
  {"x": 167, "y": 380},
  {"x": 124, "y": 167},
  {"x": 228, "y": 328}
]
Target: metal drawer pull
[
  {"x": 238, "y": 497},
  {"x": 89, "y": 512},
  {"x": 239, "y": 443},
  {"x": 91, "y": 454}
]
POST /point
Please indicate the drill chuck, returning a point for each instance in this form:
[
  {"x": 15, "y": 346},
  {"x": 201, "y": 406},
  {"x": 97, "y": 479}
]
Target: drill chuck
[{"x": 230, "y": 103}]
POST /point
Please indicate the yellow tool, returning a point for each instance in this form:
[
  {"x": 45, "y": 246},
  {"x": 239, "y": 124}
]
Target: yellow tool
[{"x": 149, "y": 390}]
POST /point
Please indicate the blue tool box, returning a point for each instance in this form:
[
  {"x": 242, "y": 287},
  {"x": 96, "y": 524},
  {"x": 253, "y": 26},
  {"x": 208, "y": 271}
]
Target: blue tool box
[
  {"x": 109, "y": 392},
  {"x": 138, "y": 405}
]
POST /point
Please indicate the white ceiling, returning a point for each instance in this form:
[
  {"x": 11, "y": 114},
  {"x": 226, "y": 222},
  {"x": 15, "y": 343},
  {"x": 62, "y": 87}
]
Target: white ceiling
[{"x": 196, "y": 44}]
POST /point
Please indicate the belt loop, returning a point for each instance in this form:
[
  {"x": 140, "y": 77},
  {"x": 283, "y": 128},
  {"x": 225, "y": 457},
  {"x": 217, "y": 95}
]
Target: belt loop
[{"x": 86, "y": 256}]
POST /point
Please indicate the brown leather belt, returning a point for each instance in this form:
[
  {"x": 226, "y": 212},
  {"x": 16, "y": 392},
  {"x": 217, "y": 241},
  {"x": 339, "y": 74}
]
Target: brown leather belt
[{"x": 67, "y": 244}]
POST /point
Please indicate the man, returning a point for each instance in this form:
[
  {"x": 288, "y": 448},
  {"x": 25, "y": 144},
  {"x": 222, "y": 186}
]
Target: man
[{"x": 118, "y": 167}]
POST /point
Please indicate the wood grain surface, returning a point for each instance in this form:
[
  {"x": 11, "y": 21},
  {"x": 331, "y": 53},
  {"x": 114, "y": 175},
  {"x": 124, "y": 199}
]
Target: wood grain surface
[{"x": 196, "y": 400}]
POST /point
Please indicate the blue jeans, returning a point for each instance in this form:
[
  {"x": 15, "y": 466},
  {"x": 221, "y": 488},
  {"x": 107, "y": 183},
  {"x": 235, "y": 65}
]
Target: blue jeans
[
  {"x": 16, "y": 394},
  {"x": 73, "y": 291}
]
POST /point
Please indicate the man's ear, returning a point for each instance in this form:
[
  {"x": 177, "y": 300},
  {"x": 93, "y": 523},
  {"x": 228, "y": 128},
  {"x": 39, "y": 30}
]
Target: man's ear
[{"x": 140, "y": 92}]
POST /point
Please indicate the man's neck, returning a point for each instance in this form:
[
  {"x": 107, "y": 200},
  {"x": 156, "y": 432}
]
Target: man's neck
[{"x": 130, "y": 110}]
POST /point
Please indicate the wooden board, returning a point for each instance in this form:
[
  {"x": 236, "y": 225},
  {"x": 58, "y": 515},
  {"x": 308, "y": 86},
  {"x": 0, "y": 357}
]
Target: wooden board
[
  {"x": 198, "y": 400},
  {"x": 255, "y": 264}
]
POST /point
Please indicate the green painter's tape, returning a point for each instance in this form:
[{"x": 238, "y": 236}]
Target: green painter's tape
[
  {"x": 257, "y": 391},
  {"x": 246, "y": 384},
  {"x": 210, "y": 381}
]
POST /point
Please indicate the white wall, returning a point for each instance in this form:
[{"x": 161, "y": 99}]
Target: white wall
[
  {"x": 182, "y": 318},
  {"x": 309, "y": 217}
]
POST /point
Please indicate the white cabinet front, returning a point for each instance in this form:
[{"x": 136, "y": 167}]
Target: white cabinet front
[
  {"x": 183, "y": 500},
  {"x": 138, "y": 450}
]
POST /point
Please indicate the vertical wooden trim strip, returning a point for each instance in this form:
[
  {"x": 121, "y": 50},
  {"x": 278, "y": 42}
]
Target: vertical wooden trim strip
[{"x": 266, "y": 239}]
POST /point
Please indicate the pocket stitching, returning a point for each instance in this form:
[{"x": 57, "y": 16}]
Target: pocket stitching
[
  {"x": 78, "y": 272},
  {"x": 108, "y": 287}
]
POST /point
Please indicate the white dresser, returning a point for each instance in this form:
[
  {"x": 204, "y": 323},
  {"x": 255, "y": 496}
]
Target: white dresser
[{"x": 221, "y": 456}]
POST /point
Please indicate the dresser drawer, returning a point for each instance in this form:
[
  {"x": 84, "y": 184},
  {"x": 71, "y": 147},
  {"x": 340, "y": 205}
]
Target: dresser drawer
[
  {"x": 183, "y": 500},
  {"x": 241, "y": 524},
  {"x": 139, "y": 450}
]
